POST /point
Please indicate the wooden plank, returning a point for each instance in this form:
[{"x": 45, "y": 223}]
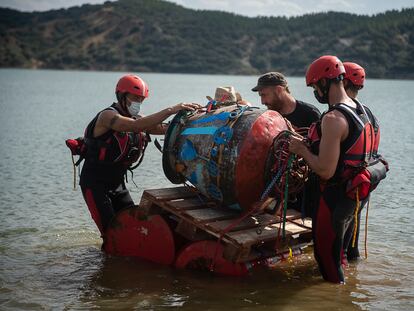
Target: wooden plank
[
  {"x": 250, "y": 222},
  {"x": 148, "y": 207},
  {"x": 245, "y": 245},
  {"x": 261, "y": 220},
  {"x": 209, "y": 214},
  {"x": 145, "y": 204},
  {"x": 187, "y": 204},
  {"x": 166, "y": 194},
  {"x": 306, "y": 223},
  {"x": 293, "y": 214},
  {"x": 258, "y": 235}
]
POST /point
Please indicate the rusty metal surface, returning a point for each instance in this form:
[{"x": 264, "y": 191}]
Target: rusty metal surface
[{"x": 222, "y": 153}]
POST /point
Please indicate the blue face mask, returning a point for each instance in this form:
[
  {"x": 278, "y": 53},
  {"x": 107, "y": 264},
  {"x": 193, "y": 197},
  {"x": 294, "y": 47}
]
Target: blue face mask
[{"x": 134, "y": 108}]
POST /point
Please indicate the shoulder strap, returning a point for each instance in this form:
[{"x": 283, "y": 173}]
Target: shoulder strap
[
  {"x": 367, "y": 153},
  {"x": 351, "y": 112},
  {"x": 91, "y": 125},
  {"x": 363, "y": 109}
]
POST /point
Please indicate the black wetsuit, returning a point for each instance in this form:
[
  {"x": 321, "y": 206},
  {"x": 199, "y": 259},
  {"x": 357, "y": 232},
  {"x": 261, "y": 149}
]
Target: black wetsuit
[
  {"x": 102, "y": 178},
  {"x": 334, "y": 214},
  {"x": 352, "y": 251}
]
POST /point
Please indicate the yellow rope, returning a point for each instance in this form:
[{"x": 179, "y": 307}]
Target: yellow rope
[
  {"x": 290, "y": 257},
  {"x": 356, "y": 218},
  {"x": 366, "y": 229},
  {"x": 74, "y": 173}
]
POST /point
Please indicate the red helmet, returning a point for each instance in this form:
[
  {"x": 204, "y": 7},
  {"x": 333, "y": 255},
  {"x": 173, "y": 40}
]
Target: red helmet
[
  {"x": 326, "y": 66},
  {"x": 355, "y": 73},
  {"x": 132, "y": 84}
]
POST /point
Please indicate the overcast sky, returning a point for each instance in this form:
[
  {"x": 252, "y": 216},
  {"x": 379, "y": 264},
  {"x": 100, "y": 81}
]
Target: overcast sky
[{"x": 243, "y": 7}]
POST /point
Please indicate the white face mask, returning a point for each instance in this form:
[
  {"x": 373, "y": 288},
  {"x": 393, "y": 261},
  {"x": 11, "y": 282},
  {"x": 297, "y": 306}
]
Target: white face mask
[{"x": 134, "y": 108}]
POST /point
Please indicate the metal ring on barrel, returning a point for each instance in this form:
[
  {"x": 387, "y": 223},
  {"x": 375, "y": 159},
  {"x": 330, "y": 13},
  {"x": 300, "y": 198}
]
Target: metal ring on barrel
[{"x": 168, "y": 156}]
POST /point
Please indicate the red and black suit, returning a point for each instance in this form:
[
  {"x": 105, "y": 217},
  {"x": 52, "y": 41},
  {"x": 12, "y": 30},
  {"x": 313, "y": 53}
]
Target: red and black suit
[
  {"x": 335, "y": 210},
  {"x": 107, "y": 159},
  {"x": 351, "y": 250}
]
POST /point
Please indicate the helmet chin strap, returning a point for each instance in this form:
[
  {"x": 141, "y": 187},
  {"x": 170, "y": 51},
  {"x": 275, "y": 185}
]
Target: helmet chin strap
[
  {"x": 324, "y": 99},
  {"x": 123, "y": 104}
]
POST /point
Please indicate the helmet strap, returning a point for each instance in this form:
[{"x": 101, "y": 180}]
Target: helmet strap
[
  {"x": 122, "y": 101},
  {"x": 324, "y": 99}
]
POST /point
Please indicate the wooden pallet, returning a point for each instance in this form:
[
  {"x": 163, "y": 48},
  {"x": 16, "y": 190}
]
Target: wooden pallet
[{"x": 197, "y": 218}]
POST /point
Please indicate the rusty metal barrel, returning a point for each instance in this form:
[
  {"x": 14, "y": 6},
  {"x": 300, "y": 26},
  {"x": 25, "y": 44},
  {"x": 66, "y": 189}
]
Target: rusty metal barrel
[{"x": 223, "y": 153}]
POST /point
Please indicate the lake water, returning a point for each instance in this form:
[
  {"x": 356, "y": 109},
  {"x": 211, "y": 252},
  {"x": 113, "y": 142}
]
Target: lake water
[{"x": 50, "y": 256}]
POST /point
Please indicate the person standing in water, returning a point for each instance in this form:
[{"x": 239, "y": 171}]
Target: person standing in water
[
  {"x": 341, "y": 132},
  {"x": 353, "y": 82},
  {"x": 115, "y": 139}
]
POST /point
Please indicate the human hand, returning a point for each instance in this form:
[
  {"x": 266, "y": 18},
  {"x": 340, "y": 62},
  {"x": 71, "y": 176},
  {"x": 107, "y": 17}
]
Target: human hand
[
  {"x": 297, "y": 144},
  {"x": 185, "y": 106}
]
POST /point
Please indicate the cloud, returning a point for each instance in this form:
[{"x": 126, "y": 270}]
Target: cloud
[{"x": 45, "y": 5}]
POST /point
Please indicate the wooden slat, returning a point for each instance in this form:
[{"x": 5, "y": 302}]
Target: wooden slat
[
  {"x": 169, "y": 193},
  {"x": 251, "y": 236},
  {"x": 148, "y": 207},
  {"x": 261, "y": 220},
  {"x": 293, "y": 214},
  {"x": 187, "y": 204},
  {"x": 250, "y": 222},
  {"x": 306, "y": 223},
  {"x": 209, "y": 214}
]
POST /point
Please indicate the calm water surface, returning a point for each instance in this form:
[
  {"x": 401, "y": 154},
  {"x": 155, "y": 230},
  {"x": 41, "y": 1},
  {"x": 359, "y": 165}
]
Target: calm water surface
[{"x": 50, "y": 256}]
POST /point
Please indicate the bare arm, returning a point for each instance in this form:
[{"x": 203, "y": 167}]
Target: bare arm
[
  {"x": 159, "y": 129},
  {"x": 334, "y": 131},
  {"x": 112, "y": 120}
]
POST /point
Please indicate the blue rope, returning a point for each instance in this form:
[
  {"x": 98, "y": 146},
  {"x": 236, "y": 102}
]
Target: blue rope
[{"x": 272, "y": 183}]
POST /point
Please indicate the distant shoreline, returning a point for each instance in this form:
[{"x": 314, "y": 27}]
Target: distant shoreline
[
  {"x": 163, "y": 37},
  {"x": 175, "y": 73}
]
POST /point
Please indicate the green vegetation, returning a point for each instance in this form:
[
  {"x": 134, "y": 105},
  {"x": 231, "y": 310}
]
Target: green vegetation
[{"x": 159, "y": 36}]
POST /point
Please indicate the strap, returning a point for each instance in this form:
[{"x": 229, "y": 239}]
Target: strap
[
  {"x": 358, "y": 118},
  {"x": 158, "y": 145},
  {"x": 363, "y": 109},
  {"x": 371, "y": 127},
  {"x": 366, "y": 155}
]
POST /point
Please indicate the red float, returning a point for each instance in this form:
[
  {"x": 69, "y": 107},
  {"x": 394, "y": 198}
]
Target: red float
[
  {"x": 133, "y": 234},
  {"x": 208, "y": 255}
]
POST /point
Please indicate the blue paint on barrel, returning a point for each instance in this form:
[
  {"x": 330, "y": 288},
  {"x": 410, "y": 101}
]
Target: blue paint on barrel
[
  {"x": 187, "y": 152},
  {"x": 220, "y": 116},
  {"x": 209, "y": 130},
  {"x": 193, "y": 178}
]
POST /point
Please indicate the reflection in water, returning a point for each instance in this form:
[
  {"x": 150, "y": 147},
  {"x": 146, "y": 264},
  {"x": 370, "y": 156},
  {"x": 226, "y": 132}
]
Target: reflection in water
[{"x": 127, "y": 283}]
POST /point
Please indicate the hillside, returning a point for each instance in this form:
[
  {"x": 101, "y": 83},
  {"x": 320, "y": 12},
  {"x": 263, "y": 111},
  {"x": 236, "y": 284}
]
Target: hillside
[{"x": 159, "y": 36}]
